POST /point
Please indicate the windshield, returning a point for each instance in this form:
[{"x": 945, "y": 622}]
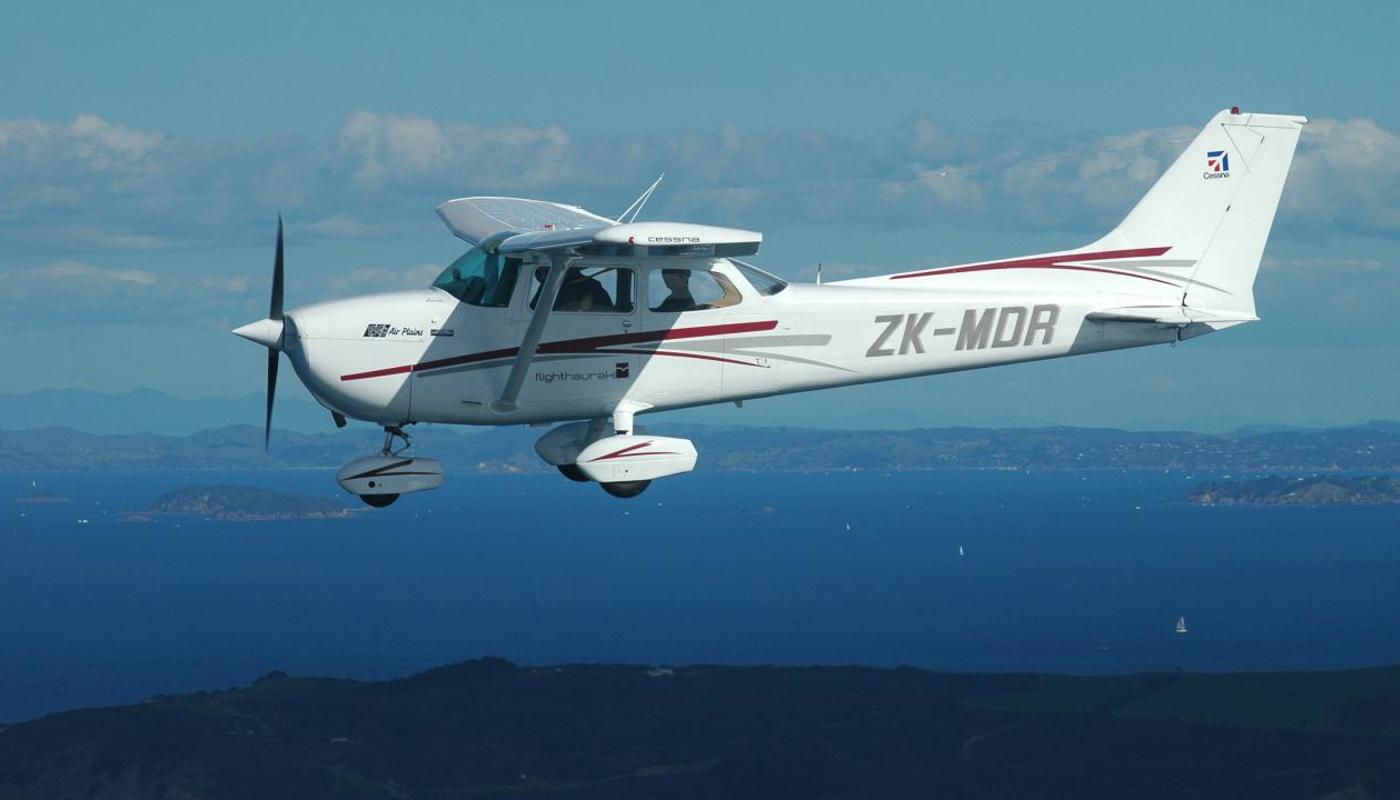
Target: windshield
[
  {"x": 762, "y": 282},
  {"x": 480, "y": 278}
]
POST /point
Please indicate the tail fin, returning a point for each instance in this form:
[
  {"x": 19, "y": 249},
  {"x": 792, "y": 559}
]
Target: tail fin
[{"x": 1214, "y": 208}]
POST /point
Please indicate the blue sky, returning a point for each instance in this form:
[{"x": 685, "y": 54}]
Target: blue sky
[{"x": 144, "y": 154}]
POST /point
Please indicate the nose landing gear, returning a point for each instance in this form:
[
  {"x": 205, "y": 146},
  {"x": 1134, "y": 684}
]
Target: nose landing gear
[{"x": 379, "y": 480}]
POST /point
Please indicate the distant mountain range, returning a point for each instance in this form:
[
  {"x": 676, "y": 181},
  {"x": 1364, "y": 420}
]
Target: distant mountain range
[
  {"x": 1371, "y": 448},
  {"x": 149, "y": 410},
  {"x": 142, "y": 410}
]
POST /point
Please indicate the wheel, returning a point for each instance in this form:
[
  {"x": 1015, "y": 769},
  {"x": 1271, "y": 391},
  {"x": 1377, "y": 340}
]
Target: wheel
[
  {"x": 379, "y": 500},
  {"x": 625, "y": 489},
  {"x": 573, "y": 473}
]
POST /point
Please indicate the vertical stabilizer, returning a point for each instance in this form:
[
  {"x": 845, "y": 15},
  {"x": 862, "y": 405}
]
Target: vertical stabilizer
[{"x": 1214, "y": 208}]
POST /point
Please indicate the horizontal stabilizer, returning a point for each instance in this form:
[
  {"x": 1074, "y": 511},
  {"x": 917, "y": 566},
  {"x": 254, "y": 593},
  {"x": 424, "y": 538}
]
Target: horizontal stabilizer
[{"x": 1170, "y": 315}]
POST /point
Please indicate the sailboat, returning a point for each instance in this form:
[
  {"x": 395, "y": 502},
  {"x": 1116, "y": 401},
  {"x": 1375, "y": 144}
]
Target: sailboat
[{"x": 1181, "y": 625}]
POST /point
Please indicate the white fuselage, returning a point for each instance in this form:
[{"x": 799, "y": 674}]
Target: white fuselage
[{"x": 423, "y": 356}]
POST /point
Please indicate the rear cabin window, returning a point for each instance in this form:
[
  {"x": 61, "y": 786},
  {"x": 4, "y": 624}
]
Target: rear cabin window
[
  {"x": 593, "y": 289},
  {"x": 672, "y": 291}
]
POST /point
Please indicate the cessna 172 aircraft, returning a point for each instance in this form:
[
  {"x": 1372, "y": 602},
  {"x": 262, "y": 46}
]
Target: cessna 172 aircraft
[{"x": 559, "y": 315}]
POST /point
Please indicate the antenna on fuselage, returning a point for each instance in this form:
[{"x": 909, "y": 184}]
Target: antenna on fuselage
[
  {"x": 819, "y": 273},
  {"x": 630, "y": 215}
]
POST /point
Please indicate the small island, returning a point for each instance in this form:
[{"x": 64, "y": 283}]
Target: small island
[
  {"x": 40, "y": 497},
  {"x": 1313, "y": 490},
  {"x": 241, "y": 504}
]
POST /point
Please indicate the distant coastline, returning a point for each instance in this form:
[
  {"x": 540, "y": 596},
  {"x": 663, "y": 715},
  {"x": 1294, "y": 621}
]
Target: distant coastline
[
  {"x": 1314, "y": 490},
  {"x": 1373, "y": 448}
]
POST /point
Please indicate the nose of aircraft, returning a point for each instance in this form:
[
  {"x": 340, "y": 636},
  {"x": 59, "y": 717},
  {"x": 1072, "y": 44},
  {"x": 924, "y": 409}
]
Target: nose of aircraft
[{"x": 266, "y": 332}]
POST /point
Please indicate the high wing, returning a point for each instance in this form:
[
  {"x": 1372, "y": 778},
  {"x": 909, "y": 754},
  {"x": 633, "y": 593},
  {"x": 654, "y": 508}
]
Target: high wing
[
  {"x": 516, "y": 225},
  {"x": 492, "y": 221}
]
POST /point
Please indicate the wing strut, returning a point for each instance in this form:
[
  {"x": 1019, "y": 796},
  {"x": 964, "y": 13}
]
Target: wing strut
[{"x": 558, "y": 265}]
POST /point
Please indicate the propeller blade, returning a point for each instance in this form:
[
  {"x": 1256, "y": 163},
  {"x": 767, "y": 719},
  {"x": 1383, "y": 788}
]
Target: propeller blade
[
  {"x": 272, "y": 359},
  {"x": 275, "y": 311}
]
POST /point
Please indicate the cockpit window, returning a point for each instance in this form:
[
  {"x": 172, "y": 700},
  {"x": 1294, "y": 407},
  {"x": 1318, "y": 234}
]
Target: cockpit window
[
  {"x": 480, "y": 278},
  {"x": 762, "y": 282}
]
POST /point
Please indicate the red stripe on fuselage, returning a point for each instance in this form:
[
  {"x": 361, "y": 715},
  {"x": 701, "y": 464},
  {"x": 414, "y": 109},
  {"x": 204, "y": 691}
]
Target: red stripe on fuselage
[
  {"x": 1052, "y": 262},
  {"x": 584, "y": 345}
]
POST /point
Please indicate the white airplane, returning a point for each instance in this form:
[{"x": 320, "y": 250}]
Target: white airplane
[{"x": 559, "y": 315}]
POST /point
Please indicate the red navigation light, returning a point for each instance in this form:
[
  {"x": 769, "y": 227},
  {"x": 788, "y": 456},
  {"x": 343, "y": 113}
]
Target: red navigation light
[{"x": 1234, "y": 109}]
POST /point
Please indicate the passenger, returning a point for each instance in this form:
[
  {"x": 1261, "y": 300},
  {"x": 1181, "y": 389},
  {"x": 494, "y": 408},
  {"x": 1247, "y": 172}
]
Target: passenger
[
  {"x": 579, "y": 292},
  {"x": 680, "y": 298}
]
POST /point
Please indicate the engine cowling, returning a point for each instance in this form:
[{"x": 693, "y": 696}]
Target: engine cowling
[{"x": 616, "y": 459}]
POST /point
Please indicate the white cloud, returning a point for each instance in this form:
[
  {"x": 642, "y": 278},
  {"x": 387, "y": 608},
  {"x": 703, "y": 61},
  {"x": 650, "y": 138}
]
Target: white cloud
[
  {"x": 94, "y": 185},
  {"x": 1346, "y": 177},
  {"x": 1313, "y": 265},
  {"x": 338, "y": 225},
  {"x": 68, "y": 270},
  {"x": 236, "y": 285}
]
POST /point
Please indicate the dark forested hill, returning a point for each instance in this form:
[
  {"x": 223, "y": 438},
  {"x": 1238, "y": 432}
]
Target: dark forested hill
[{"x": 489, "y": 728}]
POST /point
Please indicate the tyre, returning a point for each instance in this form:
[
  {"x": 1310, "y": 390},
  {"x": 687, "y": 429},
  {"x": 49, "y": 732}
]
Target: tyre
[
  {"x": 573, "y": 473},
  {"x": 625, "y": 489}
]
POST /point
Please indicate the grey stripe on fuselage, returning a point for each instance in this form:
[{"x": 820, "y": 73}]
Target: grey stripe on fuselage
[
  {"x": 710, "y": 346},
  {"x": 744, "y": 347},
  {"x": 1140, "y": 268}
]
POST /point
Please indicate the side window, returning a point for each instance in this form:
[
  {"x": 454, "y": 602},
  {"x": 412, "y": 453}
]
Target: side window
[
  {"x": 671, "y": 290},
  {"x": 480, "y": 279},
  {"x": 596, "y": 289}
]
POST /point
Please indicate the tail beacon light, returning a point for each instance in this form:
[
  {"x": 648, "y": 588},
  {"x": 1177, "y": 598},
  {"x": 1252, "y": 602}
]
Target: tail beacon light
[{"x": 617, "y": 459}]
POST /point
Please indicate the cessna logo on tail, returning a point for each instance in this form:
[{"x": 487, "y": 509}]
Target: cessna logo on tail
[
  {"x": 1009, "y": 326},
  {"x": 1217, "y": 164}
]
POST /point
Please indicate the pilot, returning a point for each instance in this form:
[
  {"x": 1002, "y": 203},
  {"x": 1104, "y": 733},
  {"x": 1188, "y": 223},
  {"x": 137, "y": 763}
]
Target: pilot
[{"x": 680, "y": 298}]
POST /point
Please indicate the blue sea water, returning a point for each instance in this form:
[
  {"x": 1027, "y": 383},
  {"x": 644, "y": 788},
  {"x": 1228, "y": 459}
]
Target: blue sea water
[{"x": 1076, "y": 572}]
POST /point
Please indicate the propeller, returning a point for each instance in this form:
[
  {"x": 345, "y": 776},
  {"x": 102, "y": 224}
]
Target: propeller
[
  {"x": 268, "y": 333},
  {"x": 274, "y": 313}
]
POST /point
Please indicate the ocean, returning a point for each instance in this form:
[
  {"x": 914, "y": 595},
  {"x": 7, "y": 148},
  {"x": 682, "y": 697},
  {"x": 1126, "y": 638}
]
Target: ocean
[{"x": 1070, "y": 572}]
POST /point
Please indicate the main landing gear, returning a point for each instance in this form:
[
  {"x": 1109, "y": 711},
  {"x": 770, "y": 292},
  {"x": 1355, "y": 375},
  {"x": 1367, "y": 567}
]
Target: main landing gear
[
  {"x": 622, "y": 460},
  {"x": 623, "y": 489},
  {"x": 573, "y": 473},
  {"x": 379, "y": 480}
]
